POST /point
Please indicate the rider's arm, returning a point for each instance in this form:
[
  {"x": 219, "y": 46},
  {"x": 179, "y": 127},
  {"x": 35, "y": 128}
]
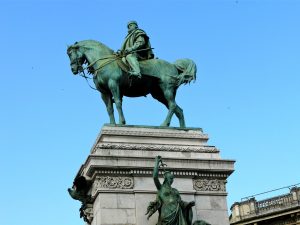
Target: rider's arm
[
  {"x": 155, "y": 172},
  {"x": 139, "y": 42}
]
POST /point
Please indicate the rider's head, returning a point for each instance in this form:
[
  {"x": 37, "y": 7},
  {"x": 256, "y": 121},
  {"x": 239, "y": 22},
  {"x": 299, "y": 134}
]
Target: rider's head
[{"x": 132, "y": 25}]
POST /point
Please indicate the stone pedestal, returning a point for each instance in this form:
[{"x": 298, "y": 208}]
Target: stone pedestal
[{"x": 120, "y": 169}]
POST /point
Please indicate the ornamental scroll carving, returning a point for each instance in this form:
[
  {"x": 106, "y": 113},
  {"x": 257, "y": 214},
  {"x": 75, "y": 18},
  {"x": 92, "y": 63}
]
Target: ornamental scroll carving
[
  {"x": 112, "y": 183},
  {"x": 209, "y": 185},
  {"x": 123, "y": 146},
  {"x": 86, "y": 212}
]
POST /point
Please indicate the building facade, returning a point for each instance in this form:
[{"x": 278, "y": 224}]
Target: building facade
[{"x": 278, "y": 210}]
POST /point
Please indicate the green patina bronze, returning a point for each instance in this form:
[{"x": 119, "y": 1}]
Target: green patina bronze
[
  {"x": 120, "y": 74},
  {"x": 171, "y": 209},
  {"x": 79, "y": 192},
  {"x": 137, "y": 47},
  {"x": 201, "y": 222}
]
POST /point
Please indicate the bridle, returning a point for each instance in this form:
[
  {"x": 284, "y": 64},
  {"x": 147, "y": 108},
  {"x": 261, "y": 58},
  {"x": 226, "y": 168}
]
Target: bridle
[
  {"x": 113, "y": 57},
  {"x": 81, "y": 69}
]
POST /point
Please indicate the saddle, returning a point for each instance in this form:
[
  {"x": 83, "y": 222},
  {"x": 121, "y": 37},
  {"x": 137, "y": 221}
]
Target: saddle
[
  {"x": 146, "y": 67},
  {"x": 151, "y": 67}
]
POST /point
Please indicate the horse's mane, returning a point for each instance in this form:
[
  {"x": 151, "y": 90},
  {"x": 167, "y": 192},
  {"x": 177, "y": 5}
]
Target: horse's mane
[{"x": 92, "y": 44}]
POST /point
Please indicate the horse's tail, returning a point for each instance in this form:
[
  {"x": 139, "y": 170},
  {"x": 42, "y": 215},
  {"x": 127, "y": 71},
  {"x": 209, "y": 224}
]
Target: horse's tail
[{"x": 187, "y": 71}]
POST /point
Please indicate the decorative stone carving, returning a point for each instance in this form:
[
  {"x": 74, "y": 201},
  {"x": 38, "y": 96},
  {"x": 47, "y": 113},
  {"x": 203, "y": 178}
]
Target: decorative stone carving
[
  {"x": 154, "y": 134},
  {"x": 280, "y": 201},
  {"x": 151, "y": 147},
  {"x": 209, "y": 185},
  {"x": 108, "y": 182},
  {"x": 80, "y": 192},
  {"x": 148, "y": 172},
  {"x": 86, "y": 212}
]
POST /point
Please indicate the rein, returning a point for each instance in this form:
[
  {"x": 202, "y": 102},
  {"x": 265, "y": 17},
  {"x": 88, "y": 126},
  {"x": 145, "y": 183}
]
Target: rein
[
  {"x": 86, "y": 78},
  {"x": 114, "y": 57}
]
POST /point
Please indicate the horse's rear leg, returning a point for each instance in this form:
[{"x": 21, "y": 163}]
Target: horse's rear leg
[
  {"x": 180, "y": 116},
  {"x": 107, "y": 98},
  {"x": 171, "y": 105},
  {"x": 115, "y": 90},
  {"x": 158, "y": 95}
]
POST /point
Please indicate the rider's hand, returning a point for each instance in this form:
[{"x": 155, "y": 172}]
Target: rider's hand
[
  {"x": 158, "y": 159},
  {"x": 127, "y": 50}
]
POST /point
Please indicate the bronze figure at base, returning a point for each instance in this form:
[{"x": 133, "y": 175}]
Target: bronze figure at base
[{"x": 172, "y": 210}]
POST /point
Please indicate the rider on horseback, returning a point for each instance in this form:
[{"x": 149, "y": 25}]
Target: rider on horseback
[{"x": 136, "y": 47}]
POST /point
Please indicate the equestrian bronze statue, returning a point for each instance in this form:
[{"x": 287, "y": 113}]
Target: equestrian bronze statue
[{"x": 113, "y": 78}]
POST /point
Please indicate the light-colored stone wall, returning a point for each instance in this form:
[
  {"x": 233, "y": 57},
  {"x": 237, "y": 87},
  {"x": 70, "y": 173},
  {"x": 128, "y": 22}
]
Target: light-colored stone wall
[
  {"x": 120, "y": 167},
  {"x": 212, "y": 208},
  {"x": 115, "y": 208}
]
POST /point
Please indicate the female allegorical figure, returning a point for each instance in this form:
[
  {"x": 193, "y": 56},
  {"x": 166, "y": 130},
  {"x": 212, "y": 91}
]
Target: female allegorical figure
[{"x": 172, "y": 210}]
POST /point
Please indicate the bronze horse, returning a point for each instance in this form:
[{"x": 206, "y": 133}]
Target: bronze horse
[{"x": 160, "y": 78}]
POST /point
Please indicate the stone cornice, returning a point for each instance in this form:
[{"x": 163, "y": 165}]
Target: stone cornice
[
  {"x": 96, "y": 162},
  {"x": 148, "y": 173},
  {"x": 155, "y": 132}
]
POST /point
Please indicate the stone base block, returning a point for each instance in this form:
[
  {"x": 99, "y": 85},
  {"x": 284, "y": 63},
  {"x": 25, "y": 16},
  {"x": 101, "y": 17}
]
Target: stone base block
[{"x": 120, "y": 170}]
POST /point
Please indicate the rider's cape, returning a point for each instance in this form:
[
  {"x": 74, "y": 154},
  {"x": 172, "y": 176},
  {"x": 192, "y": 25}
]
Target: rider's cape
[{"x": 130, "y": 40}]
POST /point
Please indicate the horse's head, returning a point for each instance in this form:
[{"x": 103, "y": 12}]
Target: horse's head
[
  {"x": 77, "y": 58},
  {"x": 86, "y": 51}
]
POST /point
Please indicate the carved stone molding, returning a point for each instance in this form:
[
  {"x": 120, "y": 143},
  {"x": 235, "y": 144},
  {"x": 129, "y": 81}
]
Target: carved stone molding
[
  {"x": 109, "y": 182},
  {"x": 104, "y": 172},
  {"x": 86, "y": 212},
  {"x": 209, "y": 185},
  {"x": 155, "y": 134},
  {"x": 152, "y": 147}
]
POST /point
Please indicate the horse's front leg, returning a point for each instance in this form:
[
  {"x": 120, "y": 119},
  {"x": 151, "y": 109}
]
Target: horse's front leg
[
  {"x": 107, "y": 98},
  {"x": 115, "y": 90}
]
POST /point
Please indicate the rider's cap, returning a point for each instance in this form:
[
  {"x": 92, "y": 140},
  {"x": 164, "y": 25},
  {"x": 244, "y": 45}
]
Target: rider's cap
[{"x": 132, "y": 22}]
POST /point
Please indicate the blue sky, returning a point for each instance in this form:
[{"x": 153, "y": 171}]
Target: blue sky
[{"x": 246, "y": 97}]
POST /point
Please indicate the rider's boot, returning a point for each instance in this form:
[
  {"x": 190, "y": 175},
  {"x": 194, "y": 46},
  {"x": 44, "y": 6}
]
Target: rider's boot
[{"x": 134, "y": 65}]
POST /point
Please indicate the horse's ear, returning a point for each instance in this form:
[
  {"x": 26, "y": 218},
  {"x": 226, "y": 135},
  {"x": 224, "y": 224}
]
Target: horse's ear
[
  {"x": 75, "y": 46},
  {"x": 69, "y": 47}
]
